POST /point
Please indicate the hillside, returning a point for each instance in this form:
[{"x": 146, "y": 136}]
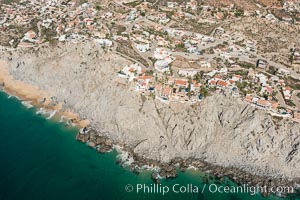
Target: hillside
[{"x": 221, "y": 130}]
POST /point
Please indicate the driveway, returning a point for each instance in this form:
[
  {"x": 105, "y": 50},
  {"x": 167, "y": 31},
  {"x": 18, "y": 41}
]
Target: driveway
[{"x": 296, "y": 99}]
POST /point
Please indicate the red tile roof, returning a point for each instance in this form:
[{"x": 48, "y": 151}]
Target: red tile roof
[
  {"x": 249, "y": 98},
  {"x": 275, "y": 105},
  {"x": 213, "y": 82},
  {"x": 237, "y": 76},
  {"x": 263, "y": 102},
  {"x": 166, "y": 91},
  {"x": 158, "y": 87},
  {"x": 288, "y": 88},
  {"x": 181, "y": 82},
  {"x": 269, "y": 89},
  {"x": 222, "y": 83},
  {"x": 145, "y": 77}
]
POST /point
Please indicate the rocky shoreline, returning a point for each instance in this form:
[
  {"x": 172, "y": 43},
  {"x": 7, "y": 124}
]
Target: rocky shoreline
[
  {"x": 219, "y": 131},
  {"x": 102, "y": 143}
]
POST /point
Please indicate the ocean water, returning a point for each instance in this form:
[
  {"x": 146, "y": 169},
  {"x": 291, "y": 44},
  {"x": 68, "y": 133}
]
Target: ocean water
[{"x": 40, "y": 159}]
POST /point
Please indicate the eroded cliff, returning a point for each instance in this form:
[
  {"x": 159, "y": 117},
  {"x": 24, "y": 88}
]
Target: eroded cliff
[{"x": 222, "y": 130}]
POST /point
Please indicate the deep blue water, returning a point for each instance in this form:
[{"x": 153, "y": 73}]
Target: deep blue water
[{"x": 40, "y": 159}]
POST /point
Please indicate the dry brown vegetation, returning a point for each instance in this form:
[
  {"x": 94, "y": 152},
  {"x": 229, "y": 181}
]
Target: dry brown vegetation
[
  {"x": 245, "y": 4},
  {"x": 124, "y": 47},
  {"x": 271, "y": 37}
]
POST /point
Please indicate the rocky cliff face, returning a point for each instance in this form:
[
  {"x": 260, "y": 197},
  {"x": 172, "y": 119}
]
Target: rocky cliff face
[{"x": 221, "y": 130}]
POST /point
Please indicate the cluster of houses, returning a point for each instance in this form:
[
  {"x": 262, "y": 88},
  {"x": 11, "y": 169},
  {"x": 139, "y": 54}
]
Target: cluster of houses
[
  {"x": 186, "y": 88},
  {"x": 207, "y": 13},
  {"x": 192, "y": 41},
  {"x": 212, "y": 14},
  {"x": 73, "y": 22},
  {"x": 78, "y": 23},
  {"x": 189, "y": 42},
  {"x": 160, "y": 18},
  {"x": 291, "y": 5},
  {"x": 30, "y": 39},
  {"x": 163, "y": 59},
  {"x": 166, "y": 89},
  {"x": 54, "y": 20},
  {"x": 65, "y": 21}
]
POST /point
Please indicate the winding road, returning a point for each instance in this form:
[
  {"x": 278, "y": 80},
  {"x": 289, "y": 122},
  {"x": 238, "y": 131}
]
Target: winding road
[
  {"x": 296, "y": 99},
  {"x": 246, "y": 56}
]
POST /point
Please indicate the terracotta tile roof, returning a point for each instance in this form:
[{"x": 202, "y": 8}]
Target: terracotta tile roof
[
  {"x": 158, "y": 87},
  {"x": 222, "y": 83},
  {"x": 166, "y": 91},
  {"x": 31, "y": 34},
  {"x": 181, "y": 82},
  {"x": 231, "y": 81},
  {"x": 145, "y": 77},
  {"x": 275, "y": 105},
  {"x": 237, "y": 76},
  {"x": 213, "y": 82},
  {"x": 263, "y": 102},
  {"x": 249, "y": 98},
  {"x": 269, "y": 89},
  {"x": 288, "y": 88},
  {"x": 217, "y": 77},
  {"x": 196, "y": 85},
  {"x": 170, "y": 79}
]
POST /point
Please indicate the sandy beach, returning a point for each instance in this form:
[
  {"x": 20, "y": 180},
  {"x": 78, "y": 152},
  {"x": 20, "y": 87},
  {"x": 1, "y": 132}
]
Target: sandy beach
[
  {"x": 38, "y": 97},
  {"x": 20, "y": 89}
]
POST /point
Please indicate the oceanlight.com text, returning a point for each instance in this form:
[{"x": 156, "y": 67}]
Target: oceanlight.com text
[{"x": 206, "y": 188}]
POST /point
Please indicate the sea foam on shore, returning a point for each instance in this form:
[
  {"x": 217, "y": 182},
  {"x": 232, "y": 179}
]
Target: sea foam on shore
[{"x": 27, "y": 104}]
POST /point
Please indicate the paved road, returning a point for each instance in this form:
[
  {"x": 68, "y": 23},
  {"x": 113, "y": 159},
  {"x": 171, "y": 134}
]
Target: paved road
[
  {"x": 218, "y": 41},
  {"x": 280, "y": 97},
  {"x": 150, "y": 64},
  {"x": 276, "y": 65},
  {"x": 243, "y": 58},
  {"x": 296, "y": 99}
]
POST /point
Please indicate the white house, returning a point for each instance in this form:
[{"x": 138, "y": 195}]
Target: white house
[
  {"x": 172, "y": 4},
  {"x": 188, "y": 72},
  {"x": 143, "y": 47},
  {"x": 284, "y": 72},
  {"x": 103, "y": 42},
  {"x": 130, "y": 72}
]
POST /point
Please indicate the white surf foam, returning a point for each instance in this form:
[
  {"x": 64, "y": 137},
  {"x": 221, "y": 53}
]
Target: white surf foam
[
  {"x": 62, "y": 119},
  {"x": 124, "y": 156},
  {"x": 27, "y": 104},
  {"x": 41, "y": 111},
  {"x": 52, "y": 114}
]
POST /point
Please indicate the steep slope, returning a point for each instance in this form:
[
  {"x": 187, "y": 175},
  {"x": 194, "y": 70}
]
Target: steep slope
[{"x": 221, "y": 130}]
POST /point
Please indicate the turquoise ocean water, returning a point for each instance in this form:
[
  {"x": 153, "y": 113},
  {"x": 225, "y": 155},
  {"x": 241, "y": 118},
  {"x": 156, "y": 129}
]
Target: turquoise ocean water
[{"x": 40, "y": 159}]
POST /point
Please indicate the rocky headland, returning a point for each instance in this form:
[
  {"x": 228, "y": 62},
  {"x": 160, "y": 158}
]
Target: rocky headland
[{"x": 222, "y": 134}]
